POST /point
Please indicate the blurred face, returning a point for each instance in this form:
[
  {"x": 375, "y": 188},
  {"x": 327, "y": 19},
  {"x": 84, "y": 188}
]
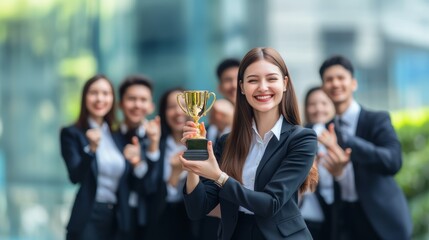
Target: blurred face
[
  {"x": 320, "y": 108},
  {"x": 228, "y": 83},
  {"x": 222, "y": 113},
  {"x": 136, "y": 104},
  {"x": 263, "y": 85},
  {"x": 175, "y": 117},
  {"x": 339, "y": 84},
  {"x": 99, "y": 99}
]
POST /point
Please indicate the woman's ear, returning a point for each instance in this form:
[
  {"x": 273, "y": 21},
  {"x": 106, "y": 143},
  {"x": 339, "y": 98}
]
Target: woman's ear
[
  {"x": 241, "y": 86},
  {"x": 285, "y": 81}
]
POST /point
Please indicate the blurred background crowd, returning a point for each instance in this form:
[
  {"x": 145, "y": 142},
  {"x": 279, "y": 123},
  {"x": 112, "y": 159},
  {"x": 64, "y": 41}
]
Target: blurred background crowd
[{"x": 49, "y": 48}]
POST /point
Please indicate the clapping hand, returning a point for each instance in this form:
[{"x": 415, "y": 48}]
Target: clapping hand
[
  {"x": 94, "y": 137},
  {"x": 336, "y": 158},
  {"x": 153, "y": 132},
  {"x": 132, "y": 152}
]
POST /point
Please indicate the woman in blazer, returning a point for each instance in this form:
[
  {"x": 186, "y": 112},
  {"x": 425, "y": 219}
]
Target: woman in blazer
[
  {"x": 94, "y": 162},
  {"x": 263, "y": 161},
  {"x": 169, "y": 219},
  {"x": 316, "y": 207}
]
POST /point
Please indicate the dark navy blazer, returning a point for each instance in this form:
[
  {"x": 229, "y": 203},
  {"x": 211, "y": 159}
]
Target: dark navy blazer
[
  {"x": 281, "y": 171},
  {"x": 377, "y": 157},
  {"x": 146, "y": 186},
  {"x": 82, "y": 169}
]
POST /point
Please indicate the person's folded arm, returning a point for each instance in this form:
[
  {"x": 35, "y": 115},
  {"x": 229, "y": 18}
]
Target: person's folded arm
[
  {"x": 383, "y": 153},
  {"x": 285, "y": 181}
]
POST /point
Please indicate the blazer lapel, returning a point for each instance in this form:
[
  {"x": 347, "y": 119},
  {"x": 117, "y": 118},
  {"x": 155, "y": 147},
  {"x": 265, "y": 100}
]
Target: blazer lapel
[
  {"x": 360, "y": 128},
  {"x": 272, "y": 147},
  {"x": 94, "y": 167}
]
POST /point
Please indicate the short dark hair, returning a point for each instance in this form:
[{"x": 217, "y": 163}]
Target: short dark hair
[
  {"x": 336, "y": 60},
  {"x": 134, "y": 80},
  {"x": 225, "y": 64}
]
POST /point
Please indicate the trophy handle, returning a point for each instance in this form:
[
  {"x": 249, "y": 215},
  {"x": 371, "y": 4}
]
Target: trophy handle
[
  {"x": 180, "y": 105},
  {"x": 211, "y": 105}
]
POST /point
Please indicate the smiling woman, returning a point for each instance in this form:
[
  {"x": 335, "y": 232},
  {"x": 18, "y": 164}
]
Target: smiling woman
[
  {"x": 264, "y": 161},
  {"x": 95, "y": 162}
]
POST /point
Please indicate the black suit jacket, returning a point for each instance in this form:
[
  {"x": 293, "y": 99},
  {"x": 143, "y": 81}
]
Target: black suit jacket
[
  {"x": 281, "y": 171},
  {"x": 145, "y": 186},
  {"x": 82, "y": 169},
  {"x": 377, "y": 157}
]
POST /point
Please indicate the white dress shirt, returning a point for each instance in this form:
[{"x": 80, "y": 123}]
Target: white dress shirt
[
  {"x": 256, "y": 151},
  {"x": 213, "y": 133},
  {"x": 110, "y": 165},
  {"x": 347, "y": 180},
  {"x": 174, "y": 194},
  {"x": 311, "y": 208}
]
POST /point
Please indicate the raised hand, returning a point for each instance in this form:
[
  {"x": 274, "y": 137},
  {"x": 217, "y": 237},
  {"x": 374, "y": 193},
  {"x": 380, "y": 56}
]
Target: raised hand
[
  {"x": 329, "y": 137},
  {"x": 176, "y": 169},
  {"x": 132, "y": 152},
  {"x": 191, "y": 130},
  {"x": 335, "y": 160},
  {"x": 206, "y": 168},
  {"x": 153, "y": 132},
  {"x": 94, "y": 136}
]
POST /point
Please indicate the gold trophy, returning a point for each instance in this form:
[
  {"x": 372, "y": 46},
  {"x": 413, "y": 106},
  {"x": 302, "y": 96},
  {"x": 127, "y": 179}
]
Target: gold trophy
[{"x": 196, "y": 107}]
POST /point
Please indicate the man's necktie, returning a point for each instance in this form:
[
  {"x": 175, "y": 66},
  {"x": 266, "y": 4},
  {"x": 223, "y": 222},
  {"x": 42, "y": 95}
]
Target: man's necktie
[{"x": 340, "y": 131}]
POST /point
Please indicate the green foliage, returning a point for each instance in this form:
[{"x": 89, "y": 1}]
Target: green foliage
[{"x": 412, "y": 128}]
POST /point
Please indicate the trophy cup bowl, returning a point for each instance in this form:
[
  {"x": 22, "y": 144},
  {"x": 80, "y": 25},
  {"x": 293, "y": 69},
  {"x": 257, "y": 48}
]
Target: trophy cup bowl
[{"x": 196, "y": 107}]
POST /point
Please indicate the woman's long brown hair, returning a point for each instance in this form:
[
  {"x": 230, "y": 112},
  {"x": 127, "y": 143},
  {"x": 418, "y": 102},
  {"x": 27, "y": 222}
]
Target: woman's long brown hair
[{"x": 234, "y": 155}]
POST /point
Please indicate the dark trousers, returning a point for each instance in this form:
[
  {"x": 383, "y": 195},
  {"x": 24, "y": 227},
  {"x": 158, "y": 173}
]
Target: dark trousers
[
  {"x": 173, "y": 224},
  {"x": 136, "y": 231},
  {"x": 319, "y": 230},
  {"x": 354, "y": 224},
  {"x": 246, "y": 228},
  {"x": 101, "y": 225},
  {"x": 209, "y": 228}
]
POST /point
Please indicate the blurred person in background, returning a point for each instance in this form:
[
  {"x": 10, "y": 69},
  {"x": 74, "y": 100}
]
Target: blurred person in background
[
  {"x": 95, "y": 162},
  {"x": 172, "y": 221},
  {"x": 227, "y": 72},
  {"x": 221, "y": 115},
  {"x": 315, "y": 207},
  {"x": 220, "y": 123},
  {"x": 139, "y": 140},
  {"x": 263, "y": 163},
  {"x": 363, "y": 155}
]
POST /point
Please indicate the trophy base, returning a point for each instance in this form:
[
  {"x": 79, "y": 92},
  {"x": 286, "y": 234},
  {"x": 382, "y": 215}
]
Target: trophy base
[{"x": 197, "y": 149}]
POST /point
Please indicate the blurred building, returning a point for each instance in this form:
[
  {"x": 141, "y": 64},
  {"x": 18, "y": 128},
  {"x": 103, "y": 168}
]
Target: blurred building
[
  {"x": 49, "y": 48},
  {"x": 387, "y": 41}
]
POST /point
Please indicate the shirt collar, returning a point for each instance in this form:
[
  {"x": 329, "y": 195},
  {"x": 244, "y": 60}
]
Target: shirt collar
[
  {"x": 93, "y": 124},
  {"x": 276, "y": 130},
  {"x": 351, "y": 114},
  {"x": 141, "y": 131}
]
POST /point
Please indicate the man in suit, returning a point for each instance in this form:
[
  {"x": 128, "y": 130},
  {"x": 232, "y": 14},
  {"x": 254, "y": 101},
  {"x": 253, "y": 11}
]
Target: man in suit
[
  {"x": 139, "y": 139},
  {"x": 363, "y": 156},
  {"x": 223, "y": 109}
]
